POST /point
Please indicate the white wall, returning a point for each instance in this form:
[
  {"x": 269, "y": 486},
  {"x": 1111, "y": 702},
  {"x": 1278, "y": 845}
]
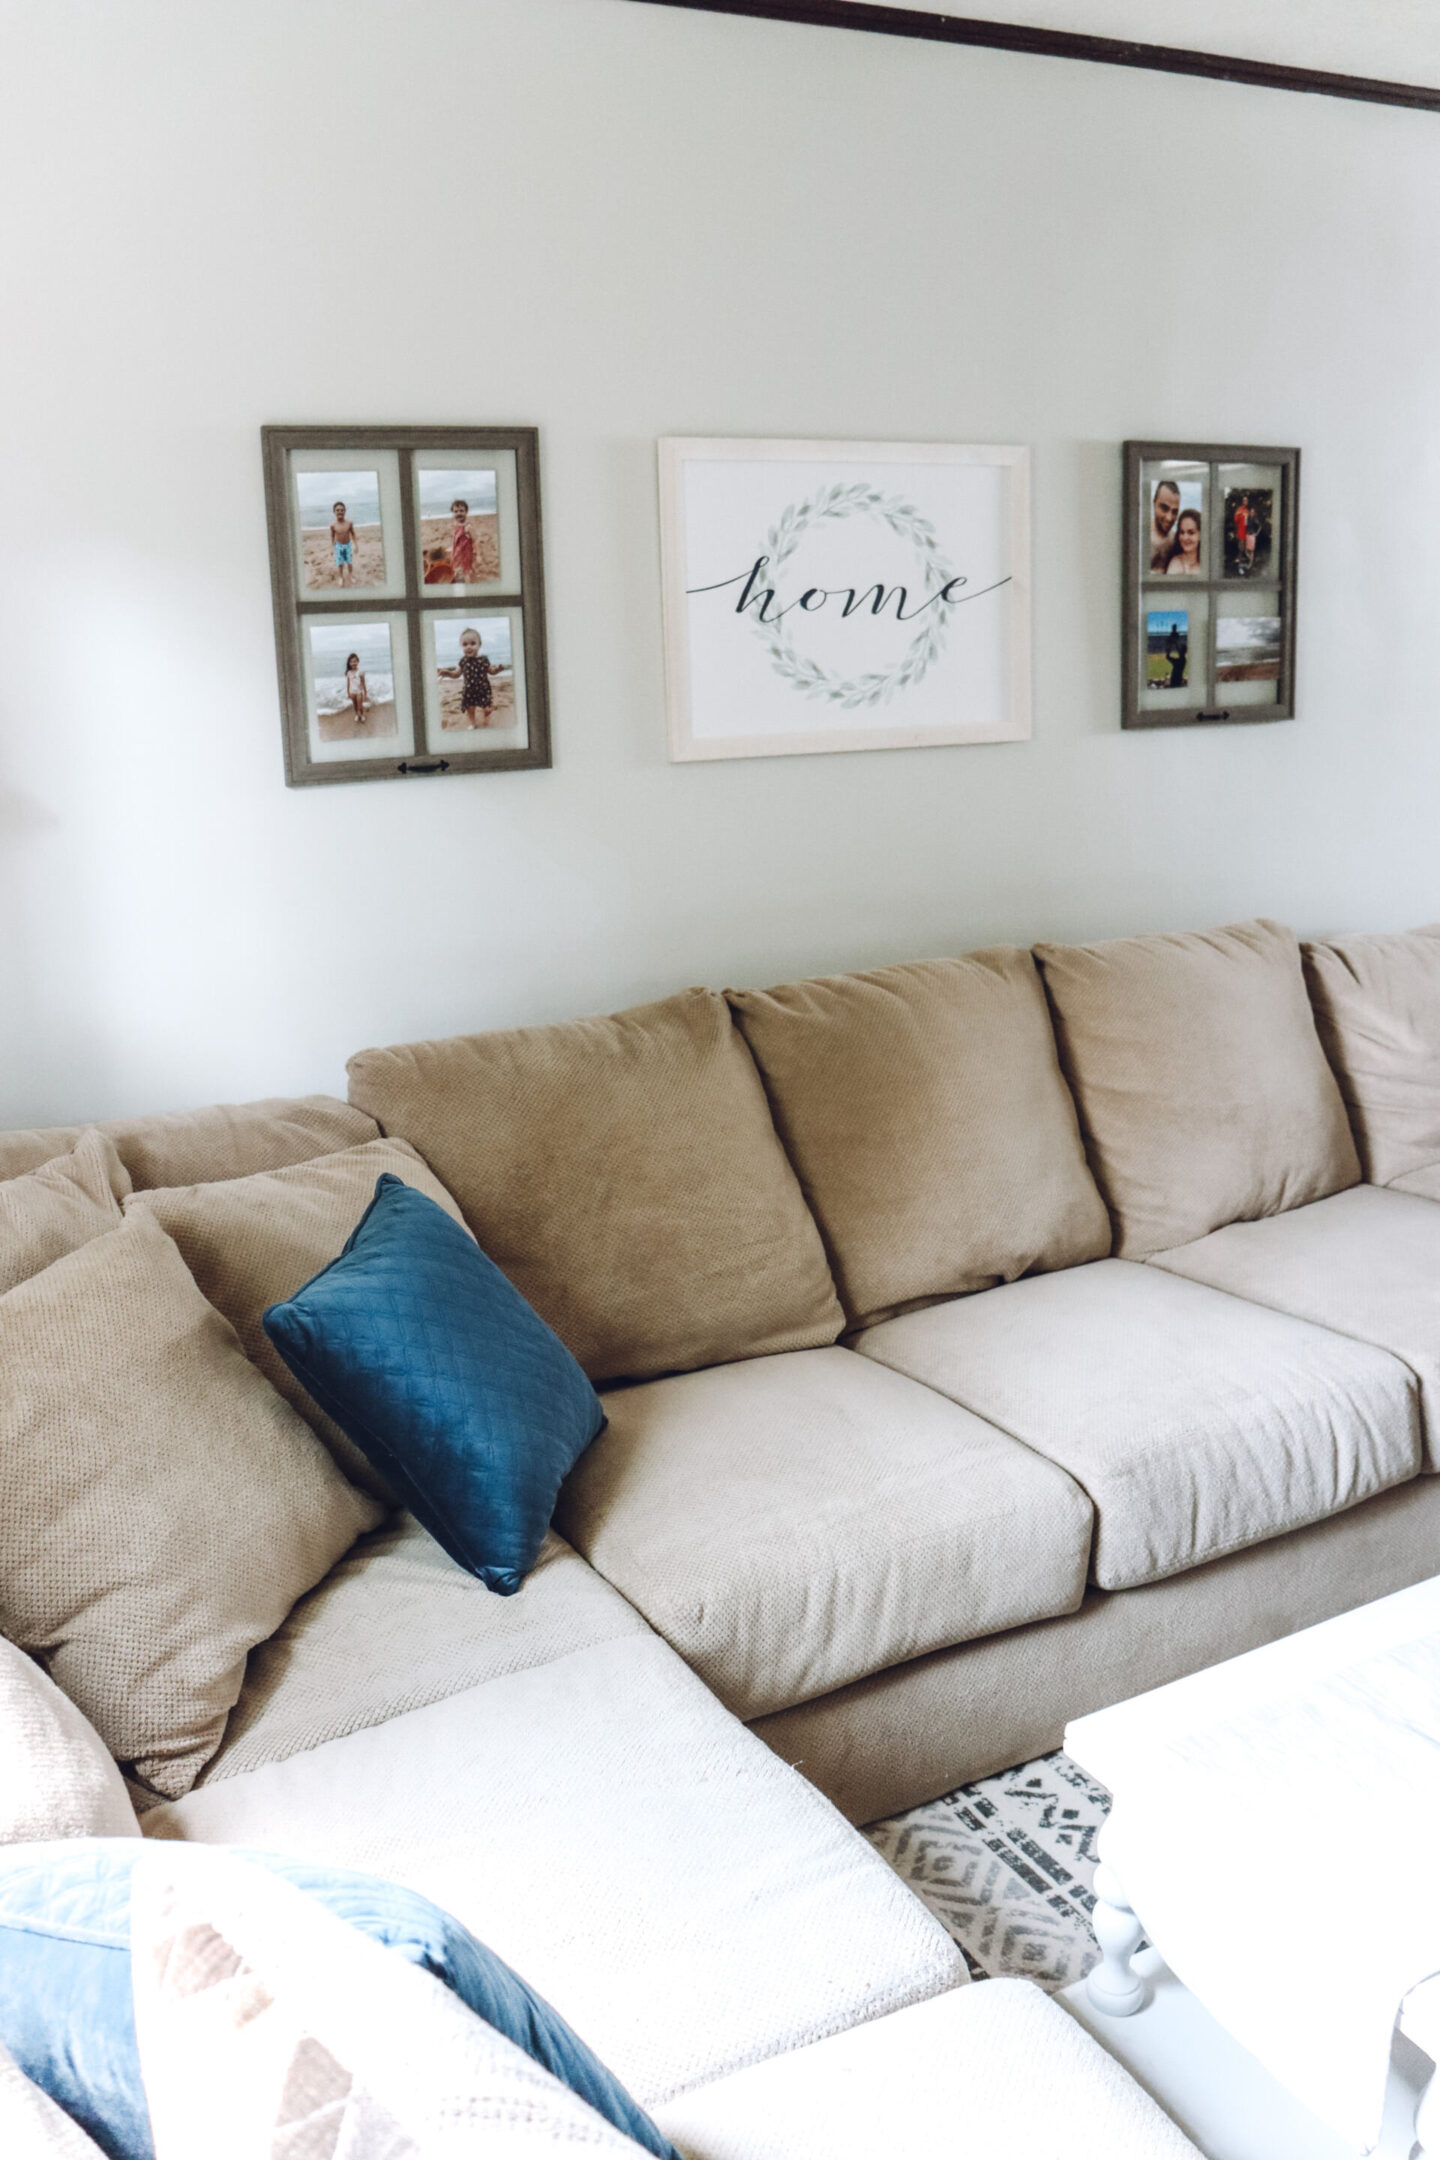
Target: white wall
[{"x": 619, "y": 221}]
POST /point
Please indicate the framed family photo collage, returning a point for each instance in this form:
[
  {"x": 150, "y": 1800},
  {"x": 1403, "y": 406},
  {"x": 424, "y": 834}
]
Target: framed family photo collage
[
  {"x": 1210, "y": 540},
  {"x": 409, "y": 599}
]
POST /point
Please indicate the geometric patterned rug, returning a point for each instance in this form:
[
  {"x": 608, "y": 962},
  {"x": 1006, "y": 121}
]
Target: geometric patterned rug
[{"x": 1006, "y": 1865}]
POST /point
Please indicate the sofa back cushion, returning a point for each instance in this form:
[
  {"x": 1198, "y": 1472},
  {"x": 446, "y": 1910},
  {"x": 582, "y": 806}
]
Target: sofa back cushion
[
  {"x": 924, "y": 1110},
  {"x": 625, "y": 1174},
  {"x": 225, "y": 1140},
  {"x": 1377, "y": 1006},
  {"x": 251, "y": 1242},
  {"x": 1204, "y": 1094},
  {"x": 161, "y": 1509},
  {"x": 49, "y": 1212}
]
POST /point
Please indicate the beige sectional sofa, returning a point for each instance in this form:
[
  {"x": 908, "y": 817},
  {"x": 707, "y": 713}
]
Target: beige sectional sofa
[{"x": 982, "y": 1340}]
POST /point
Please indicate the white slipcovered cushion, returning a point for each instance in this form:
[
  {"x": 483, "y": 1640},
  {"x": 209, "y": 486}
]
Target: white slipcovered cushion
[
  {"x": 684, "y": 1899},
  {"x": 57, "y": 1779},
  {"x": 269, "y": 2029},
  {"x": 995, "y": 2072}
]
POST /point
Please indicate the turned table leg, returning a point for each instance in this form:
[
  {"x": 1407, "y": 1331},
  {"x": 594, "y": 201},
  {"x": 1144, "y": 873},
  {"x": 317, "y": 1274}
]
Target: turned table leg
[
  {"x": 1112, "y": 1985},
  {"x": 1427, "y": 2121}
]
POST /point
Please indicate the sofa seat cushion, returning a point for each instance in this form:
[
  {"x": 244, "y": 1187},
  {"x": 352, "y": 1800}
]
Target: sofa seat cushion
[
  {"x": 1377, "y": 1007},
  {"x": 251, "y": 1241},
  {"x": 626, "y": 1176},
  {"x": 1196, "y": 1422},
  {"x": 397, "y": 1625},
  {"x": 31, "y": 2126},
  {"x": 682, "y": 1897},
  {"x": 1204, "y": 1094},
  {"x": 998, "y": 2072},
  {"x": 925, "y": 1114},
  {"x": 793, "y": 1523},
  {"x": 56, "y": 1209},
  {"x": 1365, "y": 1263},
  {"x": 224, "y": 1140}
]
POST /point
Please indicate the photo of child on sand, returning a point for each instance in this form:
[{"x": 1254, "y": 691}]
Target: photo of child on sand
[
  {"x": 352, "y": 680},
  {"x": 474, "y": 666},
  {"x": 341, "y": 537},
  {"x": 459, "y": 526}
]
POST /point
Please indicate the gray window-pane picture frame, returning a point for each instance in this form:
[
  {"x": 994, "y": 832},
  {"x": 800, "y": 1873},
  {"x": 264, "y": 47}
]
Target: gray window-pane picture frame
[
  {"x": 1210, "y": 533},
  {"x": 385, "y": 542}
]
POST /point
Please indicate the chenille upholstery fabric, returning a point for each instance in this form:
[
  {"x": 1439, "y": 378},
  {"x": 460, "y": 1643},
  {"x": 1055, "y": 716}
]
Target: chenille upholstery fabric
[
  {"x": 49, "y": 1212},
  {"x": 31, "y": 2126},
  {"x": 224, "y": 1140},
  {"x": 682, "y": 1898},
  {"x": 914, "y": 1731},
  {"x": 1196, "y": 1422},
  {"x": 397, "y": 1625},
  {"x": 252, "y": 1241},
  {"x": 791, "y": 1523},
  {"x": 1204, "y": 1094},
  {"x": 1365, "y": 1262},
  {"x": 57, "y": 1779},
  {"x": 625, "y": 1175},
  {"x": 161, "y": 1509},
  {"x": 1377, "y": 1007},
  {"x": 998, "y": 2072},
  {"x": 925, "y": 1113}
]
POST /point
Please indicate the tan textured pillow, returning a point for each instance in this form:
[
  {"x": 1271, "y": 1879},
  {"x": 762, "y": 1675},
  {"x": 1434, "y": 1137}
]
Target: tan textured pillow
[
  {"x": 161, "y": 1509},
  {"x": 223, "y": 1140},
  {"x": 935, "y": 1140},
  {"x": 625, "y": 1175},
  {"x": 1204, "y": 1094},
  {"x": 57, "y": 1778},
  {"x": 1377, "y": 1006},
  {"x": 53, "y": 1210},
  {"x": 249, "y": 1242}
]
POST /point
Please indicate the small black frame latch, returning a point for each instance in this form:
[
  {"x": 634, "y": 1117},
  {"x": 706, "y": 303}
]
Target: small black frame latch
[{"x": 416, "y": 765}]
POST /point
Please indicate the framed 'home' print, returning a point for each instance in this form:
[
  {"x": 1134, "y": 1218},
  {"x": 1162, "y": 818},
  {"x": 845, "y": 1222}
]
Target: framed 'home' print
[
  {"x": 824, "y": 596},
  {"x": 409, "y": 600}
]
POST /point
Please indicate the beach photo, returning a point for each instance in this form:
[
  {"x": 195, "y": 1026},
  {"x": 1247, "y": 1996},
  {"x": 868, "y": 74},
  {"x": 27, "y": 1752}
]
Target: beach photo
[
  {"x": 1167, "y": 649},
  {"x": 1247, "y": 648},
  {"x": 1249, "y": 531},
  {"x": 352, "y": 680},
  {"x": 342, "y": 538},
  {"x": 459, "y": 525},
  {"x": 475, "y": 673}
]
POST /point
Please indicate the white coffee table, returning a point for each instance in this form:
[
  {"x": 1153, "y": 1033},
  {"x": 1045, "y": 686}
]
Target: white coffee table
[{"x": 1228, "y": 1863}]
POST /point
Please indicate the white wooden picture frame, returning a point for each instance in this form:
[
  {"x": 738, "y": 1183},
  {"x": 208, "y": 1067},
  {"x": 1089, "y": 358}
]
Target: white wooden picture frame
[{"x": 823, "y": 596}]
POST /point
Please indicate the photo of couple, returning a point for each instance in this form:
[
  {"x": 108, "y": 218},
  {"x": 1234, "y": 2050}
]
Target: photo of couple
[{"x": 1176, "y": 529}]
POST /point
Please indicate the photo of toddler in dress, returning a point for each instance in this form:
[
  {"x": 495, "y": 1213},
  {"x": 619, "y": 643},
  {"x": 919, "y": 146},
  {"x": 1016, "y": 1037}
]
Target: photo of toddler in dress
[
  {"x": 474, "y": 667},
  {"x": 459, "y": 526},
  {"x": 342, "y": 540}
]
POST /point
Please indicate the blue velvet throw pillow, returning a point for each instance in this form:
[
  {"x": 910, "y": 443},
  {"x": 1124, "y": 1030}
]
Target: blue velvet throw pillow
[
  {"x": 67, "y": 2013},
  {"x": 445, "y": 1379}
]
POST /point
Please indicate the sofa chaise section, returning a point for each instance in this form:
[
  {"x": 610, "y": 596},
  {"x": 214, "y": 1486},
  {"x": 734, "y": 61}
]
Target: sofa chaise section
[{"x": 684, "y": 1900}]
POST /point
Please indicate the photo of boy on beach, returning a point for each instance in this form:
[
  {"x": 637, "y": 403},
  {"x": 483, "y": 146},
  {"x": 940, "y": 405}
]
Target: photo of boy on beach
[
  {"x": 352, "y": 679},
  {"x": 474, "y": 667},
  {"x": 342, "y": 541},
  {"x": 459, "y": 526}
]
